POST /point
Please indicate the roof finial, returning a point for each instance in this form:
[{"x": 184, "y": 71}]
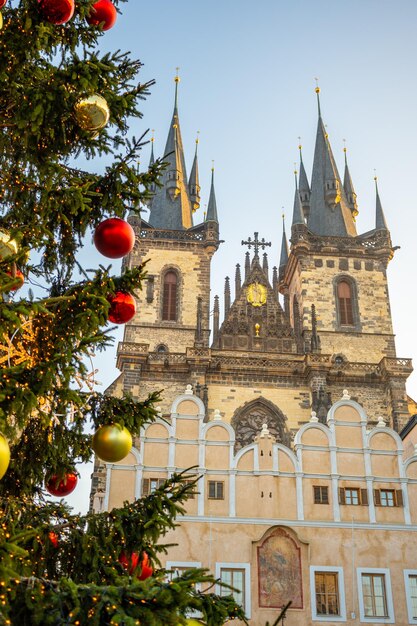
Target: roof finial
[
  {"x": 197, "y": 141},
  {"x": 176, "y": 80},
  {"x": 345, "y": 150},
  {"x": 317, "y": 90},
  {"x": 295, "y": 176}
]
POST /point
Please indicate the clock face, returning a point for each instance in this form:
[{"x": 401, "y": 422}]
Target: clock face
[{"x": 256, "y": 294}]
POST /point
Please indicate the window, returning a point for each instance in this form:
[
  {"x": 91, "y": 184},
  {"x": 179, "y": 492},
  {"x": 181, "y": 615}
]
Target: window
[
  {"x": 388, "y": 497},
  {"x": 236, "y": 579},
  {"x": 375, "y": 596},
  {"x": 237, "y": 575},
  {"x": 191, "y": 494},
  {"x": 151, "y": 484},
  {"x": 169, "y": 302},
  {"x": 321, "y": 495},
  {"x": 177, "y": 568},
  {"x": 215, "y": 490},
  {"x": 353, "y": 496},
  {"x": 344, "y": 296},
  {"x": 327, "y": 594},
  {"x": 410, "y": 581}
]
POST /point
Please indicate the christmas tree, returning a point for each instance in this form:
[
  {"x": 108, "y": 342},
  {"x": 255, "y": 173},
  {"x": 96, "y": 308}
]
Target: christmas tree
[{"x": 60, "y": 100}]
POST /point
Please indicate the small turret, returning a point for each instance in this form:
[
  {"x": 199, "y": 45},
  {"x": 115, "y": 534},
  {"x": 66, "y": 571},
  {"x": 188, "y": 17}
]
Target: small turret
[
  {"x": 297, "y": 214},
  {"x": 349, "y": 189},
  {"x": 284, "y": 249},
  {"x": 212, "y": 205},
  {"x": 304, "y": 187},
  {"x": 380, "y": 221},
  {"x": 193, "y": 183}
]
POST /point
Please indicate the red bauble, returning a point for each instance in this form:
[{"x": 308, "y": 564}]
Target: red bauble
[
  {"x": 103, "y": 11},
  {"x": 57, "y": 11},
  {"x": 114, "y": 238},
  {"x": 130, "y": 564},
  {"x": 122, "y": 307},
  {"x": 61, "y": 487},
  {"x": 2, "y": 3},
  {"x": 53, "y": 538},
  {"x": 21, "y": 278}
]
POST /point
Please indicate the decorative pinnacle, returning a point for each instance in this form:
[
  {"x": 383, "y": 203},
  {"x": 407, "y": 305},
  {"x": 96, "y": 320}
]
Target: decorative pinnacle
[
  {"x": 212, "y": 166},
  {"x": 176, "y": 80},
  {"x": 345, "y": 150},
  {"x": 197, "y": 141},
  {"x": 317, "y": 90},
  {"x": 153, "y": 135}
]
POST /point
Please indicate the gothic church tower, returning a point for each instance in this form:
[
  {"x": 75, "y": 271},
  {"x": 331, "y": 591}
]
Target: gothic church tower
[
  {"x": 335, "y": 284},
  {"x": 173, "y": 308}
]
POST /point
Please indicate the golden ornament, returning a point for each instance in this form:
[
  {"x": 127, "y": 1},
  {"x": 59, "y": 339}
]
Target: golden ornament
[
  {"x": 1, "y": 21},
  {"x": 112, "y": 443},
  {"x": 4, "y": 455},
  {"x": 8, "y": 246},
  {"x": 256, "y": 294},
  {"x": 193, "y": 622},
  {"x": 92, "y": 113}
]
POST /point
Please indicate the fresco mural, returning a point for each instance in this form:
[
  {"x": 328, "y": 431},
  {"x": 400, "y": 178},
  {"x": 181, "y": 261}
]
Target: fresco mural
[{"x": 279, "y": 571}]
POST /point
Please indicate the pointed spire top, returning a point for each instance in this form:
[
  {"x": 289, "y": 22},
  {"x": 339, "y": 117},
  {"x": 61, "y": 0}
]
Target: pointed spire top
[
  {"x": 212, "y": 205},
  {"x": 284, "y": 246},
  {"x": 317, "y": 90},
  {"x": 152, "y": 157},
  {"x": 330, "y": 212},
  {"x": 297, "y": 216},
  {"x": 380, "y": 221},
  {"x": 300, "y": 149},
  {"x": 194, "y": 182},
  {"x": 348, "y": 186},
  {"x": 177, "y": 79}
]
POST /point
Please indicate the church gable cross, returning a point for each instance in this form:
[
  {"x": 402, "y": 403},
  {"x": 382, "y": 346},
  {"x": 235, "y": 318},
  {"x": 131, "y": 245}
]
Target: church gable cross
[{"x": 256, "y": 243}]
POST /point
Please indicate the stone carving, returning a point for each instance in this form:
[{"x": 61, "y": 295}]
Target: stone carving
[{"x": 249, "y": 420}]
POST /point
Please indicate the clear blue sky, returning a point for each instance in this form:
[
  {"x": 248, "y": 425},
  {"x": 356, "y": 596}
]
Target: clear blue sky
[{"x": 247, "y": 84}]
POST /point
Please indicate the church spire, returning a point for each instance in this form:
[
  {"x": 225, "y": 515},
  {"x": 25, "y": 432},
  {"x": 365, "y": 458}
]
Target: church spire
[
  {"x": 152, "y": 157},
  {"x": 349, "y": 189},
  {"x": 329, "y": 210},
  {"x": 212, "y": 205},
  {"x": 284, "y": 247},
  {"x": 380, "y": 221},
  {"x": 171, "y": 205},
  {"x": 194, "y": 183},
  {"x": 303, "y": 186},
  {"x": 297, "y": 215}
]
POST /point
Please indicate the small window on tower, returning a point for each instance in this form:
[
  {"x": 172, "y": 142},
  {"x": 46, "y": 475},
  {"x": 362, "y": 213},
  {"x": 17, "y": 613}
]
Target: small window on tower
[
  {"x": 169, "y": 304},
  {"x": 344, "y": 296}
]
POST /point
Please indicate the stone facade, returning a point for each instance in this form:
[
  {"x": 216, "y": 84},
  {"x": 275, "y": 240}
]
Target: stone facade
[
  {"x": 285, "y": 515},
  {"x": 292, "y": 475}
]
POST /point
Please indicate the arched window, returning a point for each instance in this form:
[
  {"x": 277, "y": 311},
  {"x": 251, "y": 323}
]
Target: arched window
[
  {"x": 344, "y": 296},
  {"x": 169, "y": 303}
]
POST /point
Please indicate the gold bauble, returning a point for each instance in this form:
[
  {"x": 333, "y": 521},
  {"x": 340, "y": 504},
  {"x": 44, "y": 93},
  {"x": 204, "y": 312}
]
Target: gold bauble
[
  {"x": 193, "y": 622},
  {"x": 4, "y": 455},
  {"x": 92, "y": 113},
  {"x": 8, "y": 246},
  {"x": 1, "y": 21},
  {"x": 112, "y": 443}
]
